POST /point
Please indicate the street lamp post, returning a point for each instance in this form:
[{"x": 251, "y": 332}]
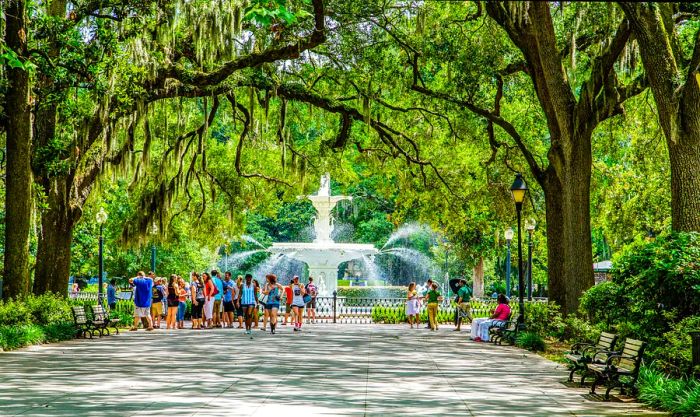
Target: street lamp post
[
  {"x": 530, "y": 227},
  {"x": 509, "y": 238},
  {"x": 154, "y": 231},
  {"x": 519, "y": 190},
  {"x": 101, "y": 218}
]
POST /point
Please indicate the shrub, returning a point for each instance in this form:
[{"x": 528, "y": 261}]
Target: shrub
[
  {"x": 372, "y": 292},
  {"x": 14, "y": 337},
  {"x": 544, "y": 319},
  {"x": 14, "y": 313},
  {"x": 57, "y": 332},
  {"x": 676, "y": 352},
  {"x": 48, "y": 309},
  {"x": 530, "y": 341},
  {"x": 679, "y": 396},
  {"x": 577, "y": 329},
  {"x": 604, "y": 303}
]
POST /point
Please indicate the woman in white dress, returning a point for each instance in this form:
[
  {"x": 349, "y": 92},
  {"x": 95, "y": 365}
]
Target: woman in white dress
[{"x": 412, "y": 305}]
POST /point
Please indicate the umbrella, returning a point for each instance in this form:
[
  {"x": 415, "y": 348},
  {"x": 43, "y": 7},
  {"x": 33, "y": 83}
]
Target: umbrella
[{"x": 454, "y": 284}]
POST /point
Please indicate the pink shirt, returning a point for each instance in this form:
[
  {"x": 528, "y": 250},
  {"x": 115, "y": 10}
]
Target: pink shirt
[{"x": 502, "y": 312}]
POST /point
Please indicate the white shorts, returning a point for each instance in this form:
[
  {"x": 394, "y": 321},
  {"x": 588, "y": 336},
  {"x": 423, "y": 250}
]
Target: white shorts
[
  {"x": 142, "y": 312},
  {"x": 208, "y": 309}
]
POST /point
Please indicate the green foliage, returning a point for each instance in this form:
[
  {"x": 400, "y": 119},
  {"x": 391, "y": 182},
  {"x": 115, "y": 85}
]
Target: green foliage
[
  {"x": 42, "y": 310},
  {"x": 680, "y": 397},
  {"x": 577, "y": 329},
  {"x": 371, "y": 292},
  {"x": 397, "y": 315},
  {"x": 652, "y": 297},
  {"x": 604, "y": 303},
  {"x": 530, "y": 341},
  {"x": 544, "y": 319}
]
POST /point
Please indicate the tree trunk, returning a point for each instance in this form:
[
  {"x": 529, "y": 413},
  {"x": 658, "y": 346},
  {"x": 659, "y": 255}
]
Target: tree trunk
[
  {"x": 478, "y": 286},
  {"x": 685, "y": 183},
  {"x": 54, "y": 250},
  {"x": 569, "y": 244},
  {"x": 18, "y": 192}
]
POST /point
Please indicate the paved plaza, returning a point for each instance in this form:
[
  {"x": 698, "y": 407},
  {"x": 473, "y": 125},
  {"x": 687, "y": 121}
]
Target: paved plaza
[{"x": 327, "y": 370}]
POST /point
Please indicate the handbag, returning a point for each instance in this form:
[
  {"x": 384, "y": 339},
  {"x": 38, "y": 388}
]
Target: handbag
[
  {"x": 307, "y": 299},
  {"x": 263, "y": 298}
]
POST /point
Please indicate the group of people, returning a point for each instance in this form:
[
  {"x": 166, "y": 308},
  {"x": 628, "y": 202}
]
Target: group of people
[
  {"x": 218, "y": 302},
  {"x": 432, "y": 297}
]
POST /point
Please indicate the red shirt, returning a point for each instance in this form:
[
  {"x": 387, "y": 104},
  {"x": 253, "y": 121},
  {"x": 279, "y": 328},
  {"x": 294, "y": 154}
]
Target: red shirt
[
  {"x": 288, "y": 293},
  {"x": 209, "y": 289},
  {"x": 502, "y": 312}
]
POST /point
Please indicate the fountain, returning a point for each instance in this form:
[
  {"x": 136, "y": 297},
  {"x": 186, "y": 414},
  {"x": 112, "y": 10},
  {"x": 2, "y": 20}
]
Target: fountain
[{"x": 323, "y": 255}]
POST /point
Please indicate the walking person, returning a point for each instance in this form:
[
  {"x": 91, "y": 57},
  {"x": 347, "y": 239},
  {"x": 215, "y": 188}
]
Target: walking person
[
  {"x": 464, "y": 295},
  {"x": 288, "y": 297},
  {"x": 183, "y": 290},
  {"x": 256, "y": 310},
  {"x": 312, "y": 291},
  {"x": 218, "y": 297},
  {"x": 263, "y": 299},
  {"x": 248, "y": 302},
  {"x": 157, "y": 297},
  {"x": 433, "y": 297},
  {"x": 209, "y": 290},
  {"x": 112, "y": 295},
  {"x": 413, "y": 305},
  {"x": 142, "y": 300},
  {"x": 427, "y": 288},
  {"x": 274, "y": 292},
  {"x": 228, "y": 300},
  {"x": 237, "y": 300},
  {"x": 298, "y": 303},
  {"x": 198, "y": 300},
  {"x": 173, "y": 301}
]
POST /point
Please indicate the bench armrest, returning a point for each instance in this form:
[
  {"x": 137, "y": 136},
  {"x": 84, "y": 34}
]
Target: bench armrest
[{"x": 580, "y": 347}]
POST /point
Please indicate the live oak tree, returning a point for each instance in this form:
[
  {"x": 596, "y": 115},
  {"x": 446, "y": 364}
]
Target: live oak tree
[{"x": 669, "y": 44}]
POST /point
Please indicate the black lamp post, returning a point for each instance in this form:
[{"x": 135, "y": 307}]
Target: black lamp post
[
  {"x": 530, "y": 227},
  {"x": 519, "y": 190},
  {"x": 154, "y": 231},
  {"x": 101, "y": 219},
  {"x": 509, "y": 238}
]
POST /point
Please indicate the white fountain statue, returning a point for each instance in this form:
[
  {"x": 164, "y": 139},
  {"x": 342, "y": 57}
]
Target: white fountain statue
[{"x": 323, "y": 256}]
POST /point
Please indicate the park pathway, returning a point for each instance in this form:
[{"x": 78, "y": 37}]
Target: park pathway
[{"x": 327, "y": 370}]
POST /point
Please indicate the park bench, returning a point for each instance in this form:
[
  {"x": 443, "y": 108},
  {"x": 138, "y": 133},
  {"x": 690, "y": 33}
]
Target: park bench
[
  {"x": 620, "y": 369},
  {"x": 504, "y": 330},
  {"x": 582, "y": 354},
  {"x": 102, "y": 319},
  {"x": 83, "y": 326}
]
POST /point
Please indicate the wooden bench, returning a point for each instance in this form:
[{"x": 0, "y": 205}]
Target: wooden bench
[
  {"x": 103, "y": 321},
  {"x": 620, "y": 369},
  {"x": 582, "y": 354},
  {"x": 83, "y": 326},
  {"x": 505, "y": 330}
]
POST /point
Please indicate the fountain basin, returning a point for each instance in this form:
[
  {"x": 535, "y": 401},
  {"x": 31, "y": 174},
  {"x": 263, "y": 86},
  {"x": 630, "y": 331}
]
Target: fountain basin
[{"x": 323, "y": 259}]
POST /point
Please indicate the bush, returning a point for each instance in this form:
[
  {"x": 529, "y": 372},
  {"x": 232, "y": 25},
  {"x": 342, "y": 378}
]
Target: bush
[
  {"x": 397, "y": 315},
  {"x": 14, "y": 337},
  {"x": 681, "y": 397},
  {"x": 676, "y": 352},
  {"x": 544, "y": 319},
  {"x": 14, "y": 313},
  {"x": 372, "y": 292},
  {"x": 530, "y": 341},
  {"x": 604, "y": 303},
  {"x": 577, "y": 329},
  {"x": 49, "y": 309},
  {"x": 57, "y": 332}
]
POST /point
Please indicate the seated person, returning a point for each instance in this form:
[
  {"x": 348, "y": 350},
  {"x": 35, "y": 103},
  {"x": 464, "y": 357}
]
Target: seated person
[{"x": 480, "y": 327}]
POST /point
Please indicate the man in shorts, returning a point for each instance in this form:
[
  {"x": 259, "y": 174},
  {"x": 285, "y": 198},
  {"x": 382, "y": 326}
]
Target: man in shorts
[
  {"x": 464, "y": 294},
  {"x": 218, "y": 298},
  {"x": 227, "y": 298},
  {"x": 158, "y": 295},
  {"x": 236, "y": 289},
  {"x": 311, "y": 305},
  {"x": 142, "y": 300}
]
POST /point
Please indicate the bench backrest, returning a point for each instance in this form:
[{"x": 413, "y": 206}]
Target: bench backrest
[
  {"x": 79, "y": 315},
  {"x": 631, "y": 355},
  {"x": 606, "y": 341},
  {"x": 99, "y": 312}
]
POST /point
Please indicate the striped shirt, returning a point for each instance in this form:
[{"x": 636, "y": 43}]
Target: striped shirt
[{"x": 248, "y": 294}]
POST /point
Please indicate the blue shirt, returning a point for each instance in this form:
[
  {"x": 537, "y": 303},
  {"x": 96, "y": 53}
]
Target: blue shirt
[
  {"x": 248, "y": 294},
  {"x": 219, "y": 286},
  {"x": 111, "y": 294},
  {"x": 228, "y": 291},
  {"x": 143, "y": 287}
]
